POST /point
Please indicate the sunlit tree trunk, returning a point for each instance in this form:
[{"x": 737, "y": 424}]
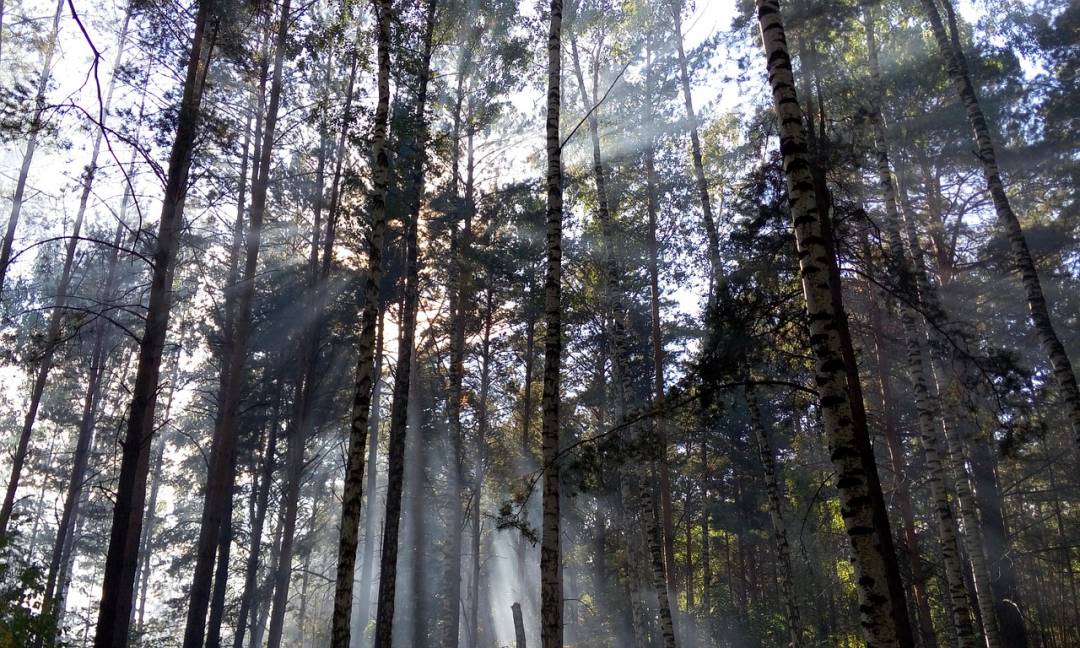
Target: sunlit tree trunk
[
  {"x": 114, "y": 613},
  {"x": 956, "y": 68},
  {"x": 776, "y": 516},
  {"x": 36, "y": 125},
  {"x": 883, "y": 616},
  {"x": 551, "y": 594}
]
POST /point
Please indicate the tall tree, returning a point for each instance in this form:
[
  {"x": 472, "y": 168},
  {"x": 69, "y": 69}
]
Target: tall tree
[
  {"x": 63, "y": 285},
  {"x": 551, "y": 576},
  {"x": 221, "y": 478},
  {"x": 957, "y": 69},
  {"x": 36, "y": 125},
  {"x": 114, "y": 613},
  {"x": 883, "y": 616}
]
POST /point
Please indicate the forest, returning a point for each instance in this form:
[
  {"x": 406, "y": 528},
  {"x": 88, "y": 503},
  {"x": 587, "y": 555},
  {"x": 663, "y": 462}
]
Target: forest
[{"x": 539, "y": 323}]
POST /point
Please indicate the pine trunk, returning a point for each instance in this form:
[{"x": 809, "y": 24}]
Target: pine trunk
[
  {"x": 114, "y": 615},
  {"x": 221, "y": 478},
  {"x": 36, "y": 125}
]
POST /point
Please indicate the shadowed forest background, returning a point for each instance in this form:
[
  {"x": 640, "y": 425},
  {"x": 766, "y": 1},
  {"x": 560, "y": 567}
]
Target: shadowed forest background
[{"x": 499, "y": 323}]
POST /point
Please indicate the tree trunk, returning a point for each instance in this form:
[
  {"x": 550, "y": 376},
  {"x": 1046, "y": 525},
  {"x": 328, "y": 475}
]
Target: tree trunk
[
  {"x": 481, "y": 460},
  {"x": 122, "y": 558},
  {"x": 972, "y": 530},
  {"x": 262, "y": 501},
  {"x": 706, "y": 557},
  {"x": 221, "y": 577},
  {"x": 656, "y": 334},
  {"x": 17, "y": 199},
  {"x": 883, "y": 615},
  {"x": 1004, "y": 581},
  {"x": 81, "y": 459},
  {"x": 217, "y": 601},
  {"x": 363, "y": 610},
  {"x": 353, "y": 492},
  {"x": 460, "y": 240},
  {"x": 406, "y": 340},
  {"x": 519, "y": 626},
  {"x": 221, "y": 477},
  {"x": 56, "y": 314},
  {"x": 708, "y": 219},
  {"x": 926, "y": 403},
  {"x": 776, "y": 516},
  {"x": 956, "y": 67},
  {"x": 919, "y": 597},
  {"x": 551, "y": 594},
  {"x": 972, "y": 535},
  {"x": 352, "y": 496}
]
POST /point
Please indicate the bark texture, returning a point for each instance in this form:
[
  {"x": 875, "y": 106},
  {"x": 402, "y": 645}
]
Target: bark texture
[
  {"x": 551, "y": 577},
  {"x": 882, "y": 615}
]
